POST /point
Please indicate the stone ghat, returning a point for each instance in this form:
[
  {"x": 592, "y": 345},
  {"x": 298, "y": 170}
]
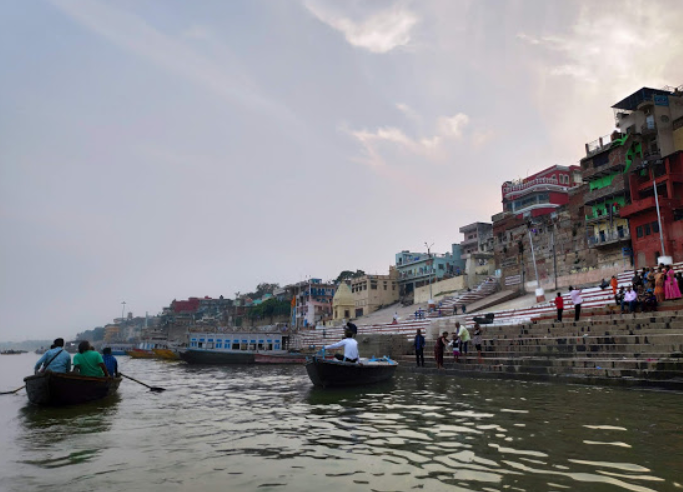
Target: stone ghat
[{"x": 640, "y": 350}]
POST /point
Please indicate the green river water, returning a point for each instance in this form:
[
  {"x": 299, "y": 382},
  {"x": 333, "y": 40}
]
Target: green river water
[{"x": 267, "y": 429}]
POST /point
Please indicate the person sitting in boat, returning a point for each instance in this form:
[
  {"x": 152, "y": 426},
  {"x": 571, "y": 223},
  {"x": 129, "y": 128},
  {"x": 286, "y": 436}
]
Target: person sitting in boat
[
  {"x": 352, "y": 328},
  {"x": 350, "y": 348},
  {"x": 89, "y": 362},
  {"x": 56, "y": 359},
  {"x": 110, "y": 361}
]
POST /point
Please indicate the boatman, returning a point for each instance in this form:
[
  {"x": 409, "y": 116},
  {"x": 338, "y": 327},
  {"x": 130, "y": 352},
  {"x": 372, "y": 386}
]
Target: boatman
[
  {"x": 56, "y": 359},
  {"x": 352, "y": 328},
  {"x": 350, "y": 348}
]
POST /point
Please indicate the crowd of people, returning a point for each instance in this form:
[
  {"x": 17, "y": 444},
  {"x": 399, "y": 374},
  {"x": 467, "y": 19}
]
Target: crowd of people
[
  {"x": 87, "y": 362},
  {"x": 458, "y": 344},
  {"x": 649, "y": 288}
]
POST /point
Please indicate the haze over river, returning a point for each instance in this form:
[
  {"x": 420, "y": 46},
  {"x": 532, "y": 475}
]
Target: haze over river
[{"x": 266, "y": 428}]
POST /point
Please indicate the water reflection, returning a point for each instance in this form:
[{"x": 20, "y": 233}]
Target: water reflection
[{"x": 268, "y": 428}]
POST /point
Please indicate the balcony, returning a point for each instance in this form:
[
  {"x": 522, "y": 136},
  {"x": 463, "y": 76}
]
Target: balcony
[
  {"x": 647, "y": 204},
  {"x": 616, "y": 188},
  {"x": 539, "y": 184},
  {"x": 648, "y": 128},
  {"x": 607, "y": 238},
  {"x": 600, "y": 145}
]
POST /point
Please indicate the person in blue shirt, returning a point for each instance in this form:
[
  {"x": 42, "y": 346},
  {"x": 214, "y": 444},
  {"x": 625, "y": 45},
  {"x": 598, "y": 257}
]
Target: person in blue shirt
[
  {"x": 110, "y": 362},
  {"x": 56, "y": 359},
  {"x": 419, "y": 345}
]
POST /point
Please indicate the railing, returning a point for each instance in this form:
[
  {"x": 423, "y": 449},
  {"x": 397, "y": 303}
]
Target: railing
[
  {"x": 512, "y": 188},
  {"x": 598, "y": 145},
  {"x": 608, "y": 237}
]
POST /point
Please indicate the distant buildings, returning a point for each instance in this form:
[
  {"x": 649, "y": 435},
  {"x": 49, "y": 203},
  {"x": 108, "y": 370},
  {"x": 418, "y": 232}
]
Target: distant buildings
[
  {"x": 419, "y": 269},
  {"x": 370, "y": 292}
]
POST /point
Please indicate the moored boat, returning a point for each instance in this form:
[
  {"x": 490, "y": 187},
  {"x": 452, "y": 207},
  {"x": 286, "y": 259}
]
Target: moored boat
[
  {"x": 239, "y": 348},
  {"x": 57, "y": 389},
  {"x": 138, "y": 353},
  {"x": 331, "y": 372},
  {"x": 118, "y": 348},
  {"x": 166, "y": 354}
]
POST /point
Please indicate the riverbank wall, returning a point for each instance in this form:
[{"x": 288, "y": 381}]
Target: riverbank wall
[{"x": 632, "y": 350}]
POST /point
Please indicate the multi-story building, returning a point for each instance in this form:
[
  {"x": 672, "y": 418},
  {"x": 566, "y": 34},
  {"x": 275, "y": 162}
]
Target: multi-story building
[
  {"x": 478, "y": 238},
  {"x": 649, "y": 243},
  {"x": 419, "y": 269},
  {"x": 604, "y": 169},
  {"x": 371, "y": 292},
  {"x": 541, "y": 193},
  {"x": 312, "y": 300}
]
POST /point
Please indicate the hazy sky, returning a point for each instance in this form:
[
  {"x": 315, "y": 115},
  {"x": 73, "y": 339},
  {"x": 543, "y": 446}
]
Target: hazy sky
[{"x": 158, "y": 149}]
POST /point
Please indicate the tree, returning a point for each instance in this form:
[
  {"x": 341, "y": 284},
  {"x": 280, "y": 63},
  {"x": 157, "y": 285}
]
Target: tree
[
  {"x": 263, "y": 289},
  {"x": 348, "y": 274}
]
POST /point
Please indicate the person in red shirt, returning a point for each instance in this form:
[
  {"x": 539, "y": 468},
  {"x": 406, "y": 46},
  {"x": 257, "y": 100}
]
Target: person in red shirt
[{"x": 559, "y": 304}]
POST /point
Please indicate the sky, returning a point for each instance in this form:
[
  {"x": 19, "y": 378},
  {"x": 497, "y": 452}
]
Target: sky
[{"x": 161, "y": 149}]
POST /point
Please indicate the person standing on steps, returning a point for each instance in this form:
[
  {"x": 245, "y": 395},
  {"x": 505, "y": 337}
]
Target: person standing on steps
[
  {"x": 575, "y": 294},
  {"x": 476, "y": 339},
  {"x": 439, "y": 347},
  {"x": 559, "y": 304},
  {"x": 419, "y": 349},
  {"x": 614, "y": 283}
]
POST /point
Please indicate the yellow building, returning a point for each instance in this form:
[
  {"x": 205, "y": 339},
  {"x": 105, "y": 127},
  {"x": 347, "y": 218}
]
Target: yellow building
[
  {"x": 342, "y": 303},
  {"x": 111, "y": 333},
  {"x": 371, "y": 292}
]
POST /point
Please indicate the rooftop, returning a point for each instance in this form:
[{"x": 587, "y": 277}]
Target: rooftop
[{"x": 631, "y": 103}]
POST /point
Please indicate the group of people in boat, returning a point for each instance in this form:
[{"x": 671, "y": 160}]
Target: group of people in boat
[{"x": 87, "y": 362}]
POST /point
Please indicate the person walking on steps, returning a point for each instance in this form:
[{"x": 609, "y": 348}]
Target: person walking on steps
[
  {"x": 575, "y": 294},
  {"x": 559, "y": 304}
]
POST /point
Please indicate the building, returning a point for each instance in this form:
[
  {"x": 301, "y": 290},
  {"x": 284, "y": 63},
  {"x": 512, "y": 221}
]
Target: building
[
  {"x": 478, "y": 238},
  {"x": 604, "y": 168},
  {"x": 646, "y": 238},
  {"x": 312, "y": 300},
  {"x": 372, "y": 292},
  {"x": 419, "y": 269},
  {"x": 541, "y": 193},
  {"x": 111, "y": 333},
  {"x": 343, "y": 303},
  {"x": 656, "y": 116}
]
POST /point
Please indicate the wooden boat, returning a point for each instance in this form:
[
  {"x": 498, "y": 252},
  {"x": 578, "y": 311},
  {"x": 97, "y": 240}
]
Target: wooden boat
[
  {"x": 239, "y": 348},
  {"x": 166, "y": 354},
  {"x": 332, "y": 372},
  {"x": 138, "y": 353},
  {"x": 56, "y": 389}
]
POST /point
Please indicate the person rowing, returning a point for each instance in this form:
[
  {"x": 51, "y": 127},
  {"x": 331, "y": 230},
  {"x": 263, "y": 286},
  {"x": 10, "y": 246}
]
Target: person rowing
[{"x": 350, "y": 348}]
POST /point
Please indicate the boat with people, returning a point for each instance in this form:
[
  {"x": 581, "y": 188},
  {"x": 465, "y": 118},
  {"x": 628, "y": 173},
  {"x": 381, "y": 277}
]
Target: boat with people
[
  {"x": 326, "y": 372},
  {"x": 240, "y": 348},
  {"x": 59, "y": 389},
  {"x": 13, "y": 352}
]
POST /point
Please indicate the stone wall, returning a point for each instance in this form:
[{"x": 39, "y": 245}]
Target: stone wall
[{"x": 440, "y": 288}]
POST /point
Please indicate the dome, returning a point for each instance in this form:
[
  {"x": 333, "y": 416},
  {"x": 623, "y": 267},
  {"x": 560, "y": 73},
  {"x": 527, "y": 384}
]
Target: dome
[{"x": 343, "y": 296}]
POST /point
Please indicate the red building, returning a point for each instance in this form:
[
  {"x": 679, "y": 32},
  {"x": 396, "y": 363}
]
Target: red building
[
  {"x": 541, "y": 193},
  {"x": 641, "y": 213}
]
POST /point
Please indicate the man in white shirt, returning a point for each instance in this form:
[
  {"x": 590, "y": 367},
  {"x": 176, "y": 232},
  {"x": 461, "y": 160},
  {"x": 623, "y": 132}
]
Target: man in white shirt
[
  {"x": 350, "y": 348},
  {"x": 630, "y": 300},
  {"x": 575, "y": 294}
]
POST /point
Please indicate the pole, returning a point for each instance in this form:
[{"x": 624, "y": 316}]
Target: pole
[
  {"x": 659, "y": 217},
  {"x": 429, "y": 254},
  {"x": 552, "y": 236},
  {"x": 533, "y": 258}
]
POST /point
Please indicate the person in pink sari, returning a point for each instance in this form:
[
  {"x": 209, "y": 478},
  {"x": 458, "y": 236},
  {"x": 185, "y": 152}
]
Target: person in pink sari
[{"x": 671, "y": 290}]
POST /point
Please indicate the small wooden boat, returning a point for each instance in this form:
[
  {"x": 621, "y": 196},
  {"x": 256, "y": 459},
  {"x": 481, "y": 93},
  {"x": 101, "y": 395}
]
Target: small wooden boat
[
  {"x": 331, "y": 372},
  {"x": 57, "y": 389}
]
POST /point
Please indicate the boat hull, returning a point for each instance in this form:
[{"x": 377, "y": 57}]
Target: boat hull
[
  {"x": 326, "y": 373},
  {"x": 279, "y": 359},
  {"x": 58, "y": 389},
  {"x": 141, "y": 354},
  {"x": 213, "y": 357},
  {"x": 166, "y": 354}
]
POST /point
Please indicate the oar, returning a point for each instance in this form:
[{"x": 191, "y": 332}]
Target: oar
[
  {"x": 153, "y": 388},
  {"x": 12, "y": 392}
]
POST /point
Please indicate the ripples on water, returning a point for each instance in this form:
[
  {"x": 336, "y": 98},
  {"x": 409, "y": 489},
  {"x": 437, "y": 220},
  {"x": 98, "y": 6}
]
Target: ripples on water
[{"x": 267, "y": 428}]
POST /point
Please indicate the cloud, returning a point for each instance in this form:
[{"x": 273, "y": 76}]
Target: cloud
[
  {"x": 391, "y": 140},
  {"x": 378, "y": 33},
  {"x": 198, "y": 31}
]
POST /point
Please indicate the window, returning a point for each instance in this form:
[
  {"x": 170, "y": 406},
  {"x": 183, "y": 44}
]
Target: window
[
  {"x": 219, "y": 344},
  {"x": 655, "y": 227},
  {"x": 639, "y": 231},
  {"x": 373, "y": 285},
  {"x": 646, "y": 228}
]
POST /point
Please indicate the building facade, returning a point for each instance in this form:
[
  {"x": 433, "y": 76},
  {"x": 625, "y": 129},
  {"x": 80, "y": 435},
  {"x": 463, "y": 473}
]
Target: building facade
[
  {"x": 477, "y": 238},
  {"x": 371, "y": 292},
  {"x": 419, "y": 269},
  {"x": 649, "y": 241},
  {"x": 541, "y": 193}
]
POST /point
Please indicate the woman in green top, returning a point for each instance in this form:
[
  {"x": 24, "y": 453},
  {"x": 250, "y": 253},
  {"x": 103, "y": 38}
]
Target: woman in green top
[{"x": 89, "y": 362}]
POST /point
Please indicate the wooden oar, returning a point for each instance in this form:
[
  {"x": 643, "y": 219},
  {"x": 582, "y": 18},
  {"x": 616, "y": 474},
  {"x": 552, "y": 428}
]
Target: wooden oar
[
  {"x": 12, "y": 392},
  {"x": 153, "y": 388}
]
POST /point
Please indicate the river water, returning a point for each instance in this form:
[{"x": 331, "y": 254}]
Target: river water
[{"x": 266, "y": 428}]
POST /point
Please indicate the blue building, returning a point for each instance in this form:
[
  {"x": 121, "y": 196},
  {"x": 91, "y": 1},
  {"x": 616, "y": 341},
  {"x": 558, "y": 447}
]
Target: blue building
[{"x": 418, "y": 269}]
